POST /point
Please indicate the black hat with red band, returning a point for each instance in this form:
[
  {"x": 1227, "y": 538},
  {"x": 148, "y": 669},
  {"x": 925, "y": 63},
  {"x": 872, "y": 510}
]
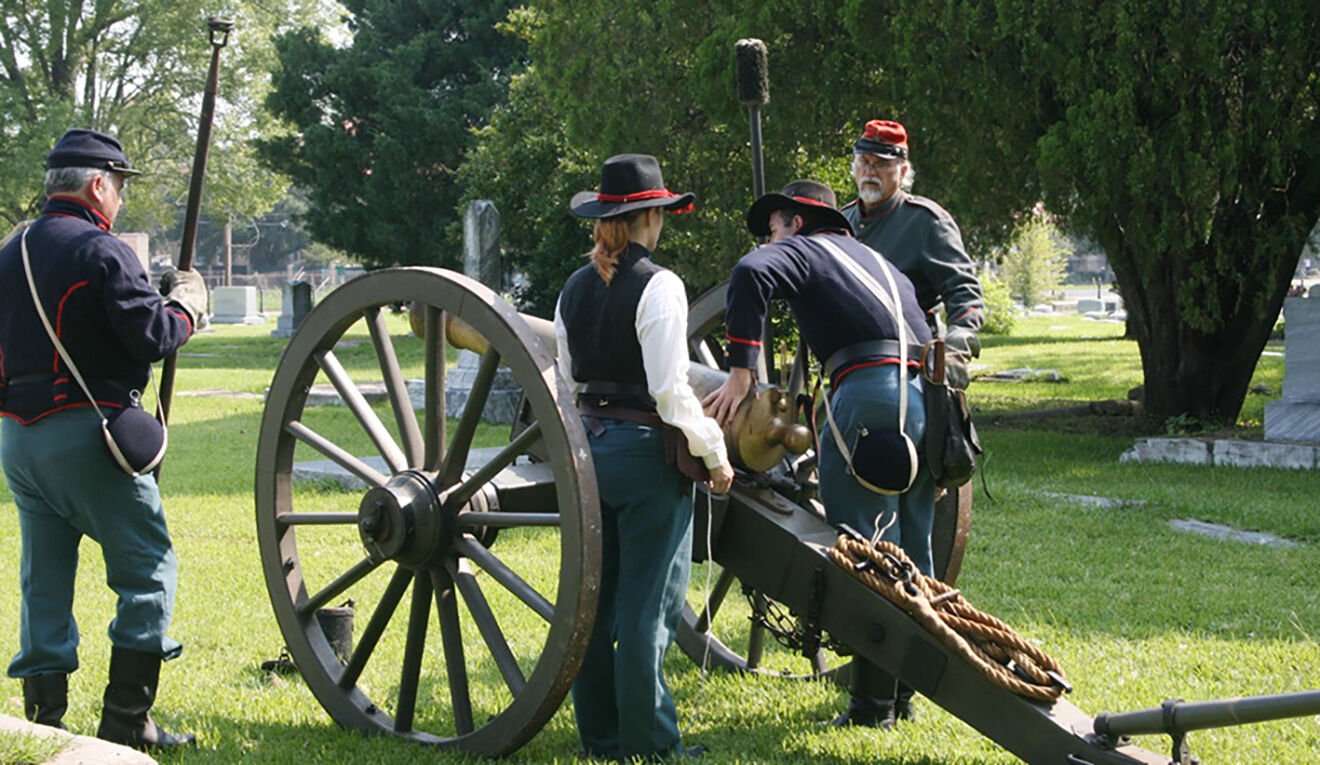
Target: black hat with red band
[
  {"x": 798, "y": 195},
  {"x": 629, "y": 182}
]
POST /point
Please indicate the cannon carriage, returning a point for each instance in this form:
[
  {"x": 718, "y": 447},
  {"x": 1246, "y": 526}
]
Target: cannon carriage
[{"x": 503, "y": 545}]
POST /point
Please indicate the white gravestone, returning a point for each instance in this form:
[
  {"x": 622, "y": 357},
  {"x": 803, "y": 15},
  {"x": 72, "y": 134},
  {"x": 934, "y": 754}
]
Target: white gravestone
[
  {"x": 235, "y": 305},
  {"x": 1296, "y": 416}
]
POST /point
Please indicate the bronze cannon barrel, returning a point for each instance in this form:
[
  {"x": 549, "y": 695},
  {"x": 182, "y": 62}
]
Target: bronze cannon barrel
[{"x": 763, "y": 430}]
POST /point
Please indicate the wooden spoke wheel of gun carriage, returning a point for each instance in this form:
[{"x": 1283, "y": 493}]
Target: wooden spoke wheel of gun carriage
[
  {"x": 478, "y": 581},
  {"x": 718, "y": 629}
]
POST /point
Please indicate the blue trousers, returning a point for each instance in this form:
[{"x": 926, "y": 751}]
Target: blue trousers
[
  {"x": 868, "y": 397},
  {"x": 622, "y": 705},
  {"x": 67, "y": 486}
]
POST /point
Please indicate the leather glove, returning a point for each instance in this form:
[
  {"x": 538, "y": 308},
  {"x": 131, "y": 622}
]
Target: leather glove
[
  {"x": 956, "y": 374},
  {"x": 963, "y": 340},
  {"x": 187, "y": 290}
]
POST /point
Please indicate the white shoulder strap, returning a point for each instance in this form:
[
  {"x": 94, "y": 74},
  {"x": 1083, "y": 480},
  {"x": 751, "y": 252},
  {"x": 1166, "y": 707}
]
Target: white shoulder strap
[{"x": 894, "y": 305}]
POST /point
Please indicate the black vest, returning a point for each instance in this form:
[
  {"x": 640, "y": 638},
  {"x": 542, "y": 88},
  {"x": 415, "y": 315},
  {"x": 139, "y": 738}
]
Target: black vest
[{"x": 601, "y": 321}]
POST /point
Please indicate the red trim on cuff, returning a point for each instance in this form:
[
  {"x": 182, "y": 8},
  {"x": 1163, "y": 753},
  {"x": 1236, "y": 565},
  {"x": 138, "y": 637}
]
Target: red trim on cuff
[
  {"x": 182, "y": 314},
  {"x": 732, "y": 339}
]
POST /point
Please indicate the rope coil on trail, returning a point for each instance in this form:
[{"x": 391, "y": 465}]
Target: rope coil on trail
[{"x": 987, "y": 643}]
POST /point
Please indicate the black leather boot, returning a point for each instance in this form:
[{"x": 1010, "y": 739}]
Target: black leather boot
[
  {"x": 125, "y": 713},
  {"x": 903, "y": 709},
  {"x": 872, "y": 703},
  {"x": 45, "y": 697}
]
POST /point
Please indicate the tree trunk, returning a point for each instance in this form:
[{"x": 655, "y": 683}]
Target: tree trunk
[{"x": 1203, "y": 375}]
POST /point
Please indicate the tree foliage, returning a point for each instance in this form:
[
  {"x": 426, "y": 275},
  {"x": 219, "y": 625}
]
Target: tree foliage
[
  {"x": 381, "y": 126},
  {"x": 134, "y": 68},
  {"x": 609, "y": 78},
  {"x": 1182, "y": 137},
  {"x": 1033, "y": 264}
]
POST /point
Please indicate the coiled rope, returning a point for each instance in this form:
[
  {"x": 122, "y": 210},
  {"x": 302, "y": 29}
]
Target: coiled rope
[{"x": 988, "y": 644}]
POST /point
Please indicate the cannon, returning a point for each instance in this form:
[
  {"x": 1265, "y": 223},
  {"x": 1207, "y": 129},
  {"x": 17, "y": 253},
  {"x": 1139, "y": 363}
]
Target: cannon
[{"x": 502, "y": 544}]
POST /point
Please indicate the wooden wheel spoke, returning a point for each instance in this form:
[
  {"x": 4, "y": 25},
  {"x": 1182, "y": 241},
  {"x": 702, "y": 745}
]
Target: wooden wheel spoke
[
  {"x": 338, "y": 586},
  {"x": 489, "y": 628},
  {"x": 471, "y": 548},
  {"x": 451, "y": 638},
  {"x": 411, "y": 672},
  {"x": 335, "y": 453},
  {"x": 357, "y": 404},
  {"x": 434, "y": 394},
  {"x": 717, "y": 594},
  {"x": 395, "y": 386},
  {"x": 456, "y": 458},
  {"x": 316, "y": 519},
  {"x": 380, "y": 619},
  {"x": 518, "y": 446},
  {"x": 477, "y": 520}
]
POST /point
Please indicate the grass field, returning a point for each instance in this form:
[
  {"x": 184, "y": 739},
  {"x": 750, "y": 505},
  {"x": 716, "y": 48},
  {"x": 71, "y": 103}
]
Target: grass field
[{"x": 1135, "y": 611}]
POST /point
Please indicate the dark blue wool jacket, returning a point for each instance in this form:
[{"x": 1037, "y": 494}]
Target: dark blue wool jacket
[
  {"x": 833, "y": 309},
  {"x": 101, "y": 304}
]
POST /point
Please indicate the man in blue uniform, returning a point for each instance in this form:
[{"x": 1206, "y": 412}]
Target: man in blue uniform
[
  {"x": 917, "y": 235},
  {"x": 870, "y": 346},
  {"x": 59, "y": 469}
]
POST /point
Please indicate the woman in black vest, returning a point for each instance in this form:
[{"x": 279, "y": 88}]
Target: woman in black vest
[{"x": 621, "y": 325}]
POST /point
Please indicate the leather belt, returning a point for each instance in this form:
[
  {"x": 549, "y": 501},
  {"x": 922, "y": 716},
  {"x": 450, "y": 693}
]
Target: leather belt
[
  {"x": 611, "y": 388},
  {"x": 868, "y": 350}
]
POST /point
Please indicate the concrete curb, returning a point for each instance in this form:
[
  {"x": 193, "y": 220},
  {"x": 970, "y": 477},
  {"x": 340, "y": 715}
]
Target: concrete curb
[{"x": 78, "y": 750}]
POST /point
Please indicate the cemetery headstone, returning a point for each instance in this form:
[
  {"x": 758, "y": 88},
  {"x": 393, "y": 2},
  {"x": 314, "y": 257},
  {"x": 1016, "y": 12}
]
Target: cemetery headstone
[
  {"x": 482, "y": 261},
  {"x": 297, "y": 304},
  {"x": 1296, "y": 415},
  {"x": 235, "y": 305}
]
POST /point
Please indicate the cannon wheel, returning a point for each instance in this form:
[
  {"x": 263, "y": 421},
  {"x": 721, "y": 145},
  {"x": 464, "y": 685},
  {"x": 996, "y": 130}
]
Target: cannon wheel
[
  {"x": 699, "y": 635},
  {"x": 429, "y": 524}
]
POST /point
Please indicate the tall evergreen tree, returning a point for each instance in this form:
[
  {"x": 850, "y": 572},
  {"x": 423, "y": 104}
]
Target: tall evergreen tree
[{"x": 381, "y": 125}]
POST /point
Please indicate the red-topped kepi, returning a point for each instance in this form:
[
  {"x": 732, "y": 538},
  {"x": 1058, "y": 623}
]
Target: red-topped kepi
[
  {"x": 803, "y": 195},
  {"x": 629, "y": 182},
  {"x": 884, "y": 138}
]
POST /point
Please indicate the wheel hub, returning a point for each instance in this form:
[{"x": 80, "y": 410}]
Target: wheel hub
[{"x": 404, "y": 520}]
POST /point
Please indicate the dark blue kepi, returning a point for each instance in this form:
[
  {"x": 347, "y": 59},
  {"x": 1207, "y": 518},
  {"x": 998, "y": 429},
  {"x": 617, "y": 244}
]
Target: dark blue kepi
[{"x": 81, "y": 147}]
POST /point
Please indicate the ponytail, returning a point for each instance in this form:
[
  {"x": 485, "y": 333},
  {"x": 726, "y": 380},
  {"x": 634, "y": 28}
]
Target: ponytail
[{"x": 612, "y": 237}]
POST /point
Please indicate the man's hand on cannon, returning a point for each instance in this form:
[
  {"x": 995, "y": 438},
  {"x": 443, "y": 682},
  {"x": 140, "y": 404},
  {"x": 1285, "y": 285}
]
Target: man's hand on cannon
[{"x": 723, "y": 402}]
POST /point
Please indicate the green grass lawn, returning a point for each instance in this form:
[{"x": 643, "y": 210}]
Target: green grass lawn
[{"x": 1135, "y": 611}]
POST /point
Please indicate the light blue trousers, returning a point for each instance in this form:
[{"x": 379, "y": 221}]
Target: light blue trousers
[
  {"x": 622, "y": 704},
  {"x": 67, "y": 485},
  {"x": 868, "y": 397}
]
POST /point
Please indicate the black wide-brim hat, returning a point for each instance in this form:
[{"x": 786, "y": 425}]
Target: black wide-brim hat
[
  {"x": 629, "y": 182},
  {"x": 798, "y": 195},
  {"x": 81, "y": 147}
]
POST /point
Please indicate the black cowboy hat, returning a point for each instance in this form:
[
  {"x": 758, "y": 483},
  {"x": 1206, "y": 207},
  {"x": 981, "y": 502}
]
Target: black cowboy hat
[
  {"x": 89, "y": 148},
  {"x": 629, "y": 182},
  {"x": 798, "y": 195}
]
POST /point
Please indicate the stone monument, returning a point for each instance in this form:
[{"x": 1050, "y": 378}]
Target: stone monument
[
  {"x": 1296, "y": 415},
  {"x": 297, "y": 304},
  {"x": 235, "y": 305},
  {"x": 482, "y": 261}
]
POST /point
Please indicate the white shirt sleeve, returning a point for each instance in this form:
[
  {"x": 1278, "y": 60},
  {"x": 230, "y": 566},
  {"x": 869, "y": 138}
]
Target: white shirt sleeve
[
  {"x": 662, "y": 332},
  {"x": 563, "y": 358}
]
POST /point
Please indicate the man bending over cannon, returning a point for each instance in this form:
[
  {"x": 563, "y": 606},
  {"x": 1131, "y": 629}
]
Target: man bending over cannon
[{"x": 859, "y": 315}]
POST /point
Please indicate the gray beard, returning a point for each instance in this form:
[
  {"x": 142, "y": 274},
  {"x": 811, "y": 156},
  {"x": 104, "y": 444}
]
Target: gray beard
[{"x": 869, "y": 194}]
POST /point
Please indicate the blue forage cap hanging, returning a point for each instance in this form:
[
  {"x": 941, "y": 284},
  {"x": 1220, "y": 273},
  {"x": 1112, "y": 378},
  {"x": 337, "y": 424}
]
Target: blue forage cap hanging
[{"x": 81, "y": 147}]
